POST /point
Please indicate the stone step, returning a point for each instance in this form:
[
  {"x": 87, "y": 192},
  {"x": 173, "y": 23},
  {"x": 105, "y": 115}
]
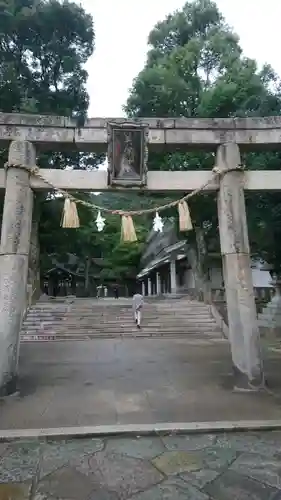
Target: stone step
[
  {"x": 183, "y": 307},
  {"x": 86, "y": 319},
  {"x": 106, "y": 313},
  {"x": 89, "y": 336},
  {"x": 129, "y": 308},
  {"x": 118, "y": 330},
  {"x": 112, "y": 317},
  {"x": 184, "y": 328},
  {"x": 132, "y": 331},
  {"x": 118, "y": 326},
  {"x": 79, "y": 326},
  {"x": 193, "y": 340},
  {"x": 165, "y": 307},
  {"x": 101, "y": 324},
  {"x": 98, "y": 304},
  {"x": 108, "y": 321},
  {"x": 124, "y": 321}
]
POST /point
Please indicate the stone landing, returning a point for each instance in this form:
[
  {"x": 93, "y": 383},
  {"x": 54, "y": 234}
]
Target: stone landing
[{"x": 134, "y": 381}]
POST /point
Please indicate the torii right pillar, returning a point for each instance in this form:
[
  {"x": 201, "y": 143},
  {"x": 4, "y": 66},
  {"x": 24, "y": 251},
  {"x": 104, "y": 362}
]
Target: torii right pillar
[{"x": 244, "y": 335}]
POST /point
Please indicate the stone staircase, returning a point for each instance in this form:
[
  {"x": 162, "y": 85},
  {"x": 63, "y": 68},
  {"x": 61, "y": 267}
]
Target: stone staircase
[{"x": 85, "y": 319}]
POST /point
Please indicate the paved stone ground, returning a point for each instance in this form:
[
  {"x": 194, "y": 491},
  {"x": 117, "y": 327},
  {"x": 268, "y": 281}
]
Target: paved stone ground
[
  {"x": 133, "y": 381},
  {"x": 175, "y": 467}
]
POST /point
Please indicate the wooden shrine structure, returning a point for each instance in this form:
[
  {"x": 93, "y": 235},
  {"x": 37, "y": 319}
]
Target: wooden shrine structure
[{"x": 128, "y": 145}]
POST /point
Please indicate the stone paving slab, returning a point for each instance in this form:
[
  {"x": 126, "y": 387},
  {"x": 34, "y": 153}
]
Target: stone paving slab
[
  {"x": 133, "y": 381},
  {"x": 229, "y": 466}
]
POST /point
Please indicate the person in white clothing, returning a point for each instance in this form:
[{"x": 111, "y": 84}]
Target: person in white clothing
[{"x": 137, "y": 308}]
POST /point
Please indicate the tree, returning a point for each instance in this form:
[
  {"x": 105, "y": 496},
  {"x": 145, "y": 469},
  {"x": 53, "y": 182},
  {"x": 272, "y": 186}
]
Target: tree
[
  {"x": 43, "y": 47},
  {"x": 195, "y": 68},
  {"x": 118, "y": 261},
  {"x": 121, "y": 259}
]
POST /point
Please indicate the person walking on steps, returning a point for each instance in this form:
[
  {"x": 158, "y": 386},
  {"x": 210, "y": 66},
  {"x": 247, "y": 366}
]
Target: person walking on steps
[
  {"x": 137, "y": 308},
  {"x": 116, "y": 292},
  {"x": 99, "y": 290}
]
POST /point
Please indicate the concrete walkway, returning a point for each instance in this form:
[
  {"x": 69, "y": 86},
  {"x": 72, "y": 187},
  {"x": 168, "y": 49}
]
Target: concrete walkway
[
  {"x": 173, "y": 467},
  {"x": 134, "y": 381}
]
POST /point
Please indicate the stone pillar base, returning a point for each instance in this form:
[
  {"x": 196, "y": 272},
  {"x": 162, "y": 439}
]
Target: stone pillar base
[
  {"x": 241, "y": 382},
  {"x": 9, "y": 387}
]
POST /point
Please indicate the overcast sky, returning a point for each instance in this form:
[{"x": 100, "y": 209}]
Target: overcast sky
[{"x": 122, "y": 28}]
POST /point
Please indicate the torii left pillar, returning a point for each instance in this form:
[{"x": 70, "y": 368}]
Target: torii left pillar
[{"x": 14, "y": 250}]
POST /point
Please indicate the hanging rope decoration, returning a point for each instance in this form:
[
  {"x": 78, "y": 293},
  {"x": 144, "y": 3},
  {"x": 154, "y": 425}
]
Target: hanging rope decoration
[
  {"x": 70, "y": 218},
  {"x": 185, "y": 222},
  {"x": 128, "y": 232}
]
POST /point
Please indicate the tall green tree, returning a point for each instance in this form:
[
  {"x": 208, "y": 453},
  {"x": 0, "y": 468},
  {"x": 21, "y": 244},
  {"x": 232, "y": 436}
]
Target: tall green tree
[
  {"x": 195, "y": 68},
  {"x": 43, "y": 48},
  {"x": 44, "y": 45}
]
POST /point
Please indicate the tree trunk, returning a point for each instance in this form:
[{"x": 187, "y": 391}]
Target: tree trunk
[
  {"x": 197, "y": 256},
  {"x": 87, "y": 275}
]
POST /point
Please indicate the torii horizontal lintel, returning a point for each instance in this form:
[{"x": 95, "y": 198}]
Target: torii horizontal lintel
[
  {"x": 81, "y": 180},
  {"x": 60, "y": 133}
]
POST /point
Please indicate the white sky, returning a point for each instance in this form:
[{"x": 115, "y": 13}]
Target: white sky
[{"x": 122, "y": 28}]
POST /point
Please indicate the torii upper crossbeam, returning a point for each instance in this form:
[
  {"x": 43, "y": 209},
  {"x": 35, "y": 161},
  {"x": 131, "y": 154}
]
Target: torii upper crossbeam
[{"x": 59, "y": 133}]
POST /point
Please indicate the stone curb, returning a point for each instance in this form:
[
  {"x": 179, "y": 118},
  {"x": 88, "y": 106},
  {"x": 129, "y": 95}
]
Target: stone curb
[{"x": 141, "y": 429}]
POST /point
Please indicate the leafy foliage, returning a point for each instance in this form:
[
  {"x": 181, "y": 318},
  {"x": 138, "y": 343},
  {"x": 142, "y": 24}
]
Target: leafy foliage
[
  {"x": 119, "y": 261},
  {"x": 44, "y": 45},
  {"x": 195, "y": 68}
]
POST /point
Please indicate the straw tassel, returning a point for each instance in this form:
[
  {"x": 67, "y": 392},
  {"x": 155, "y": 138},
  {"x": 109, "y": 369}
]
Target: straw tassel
[
  {"x": 70, "y": 218},
  {"x": 128, "y": 233},
  {"x": 185, "y": 222}
]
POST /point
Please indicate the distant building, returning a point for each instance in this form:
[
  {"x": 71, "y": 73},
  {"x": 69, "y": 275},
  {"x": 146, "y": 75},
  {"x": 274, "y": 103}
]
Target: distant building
[{"x": 165, "y": 267}]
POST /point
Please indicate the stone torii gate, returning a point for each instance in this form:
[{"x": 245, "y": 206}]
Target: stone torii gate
[{"x": 25, "y": 135}]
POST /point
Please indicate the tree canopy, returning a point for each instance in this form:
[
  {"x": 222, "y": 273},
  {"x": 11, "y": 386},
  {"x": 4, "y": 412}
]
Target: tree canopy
[
  {"x": 44, "y": 45},
  {"x": 196, "y": 68},
  {"x": 118, "y": 260}
]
